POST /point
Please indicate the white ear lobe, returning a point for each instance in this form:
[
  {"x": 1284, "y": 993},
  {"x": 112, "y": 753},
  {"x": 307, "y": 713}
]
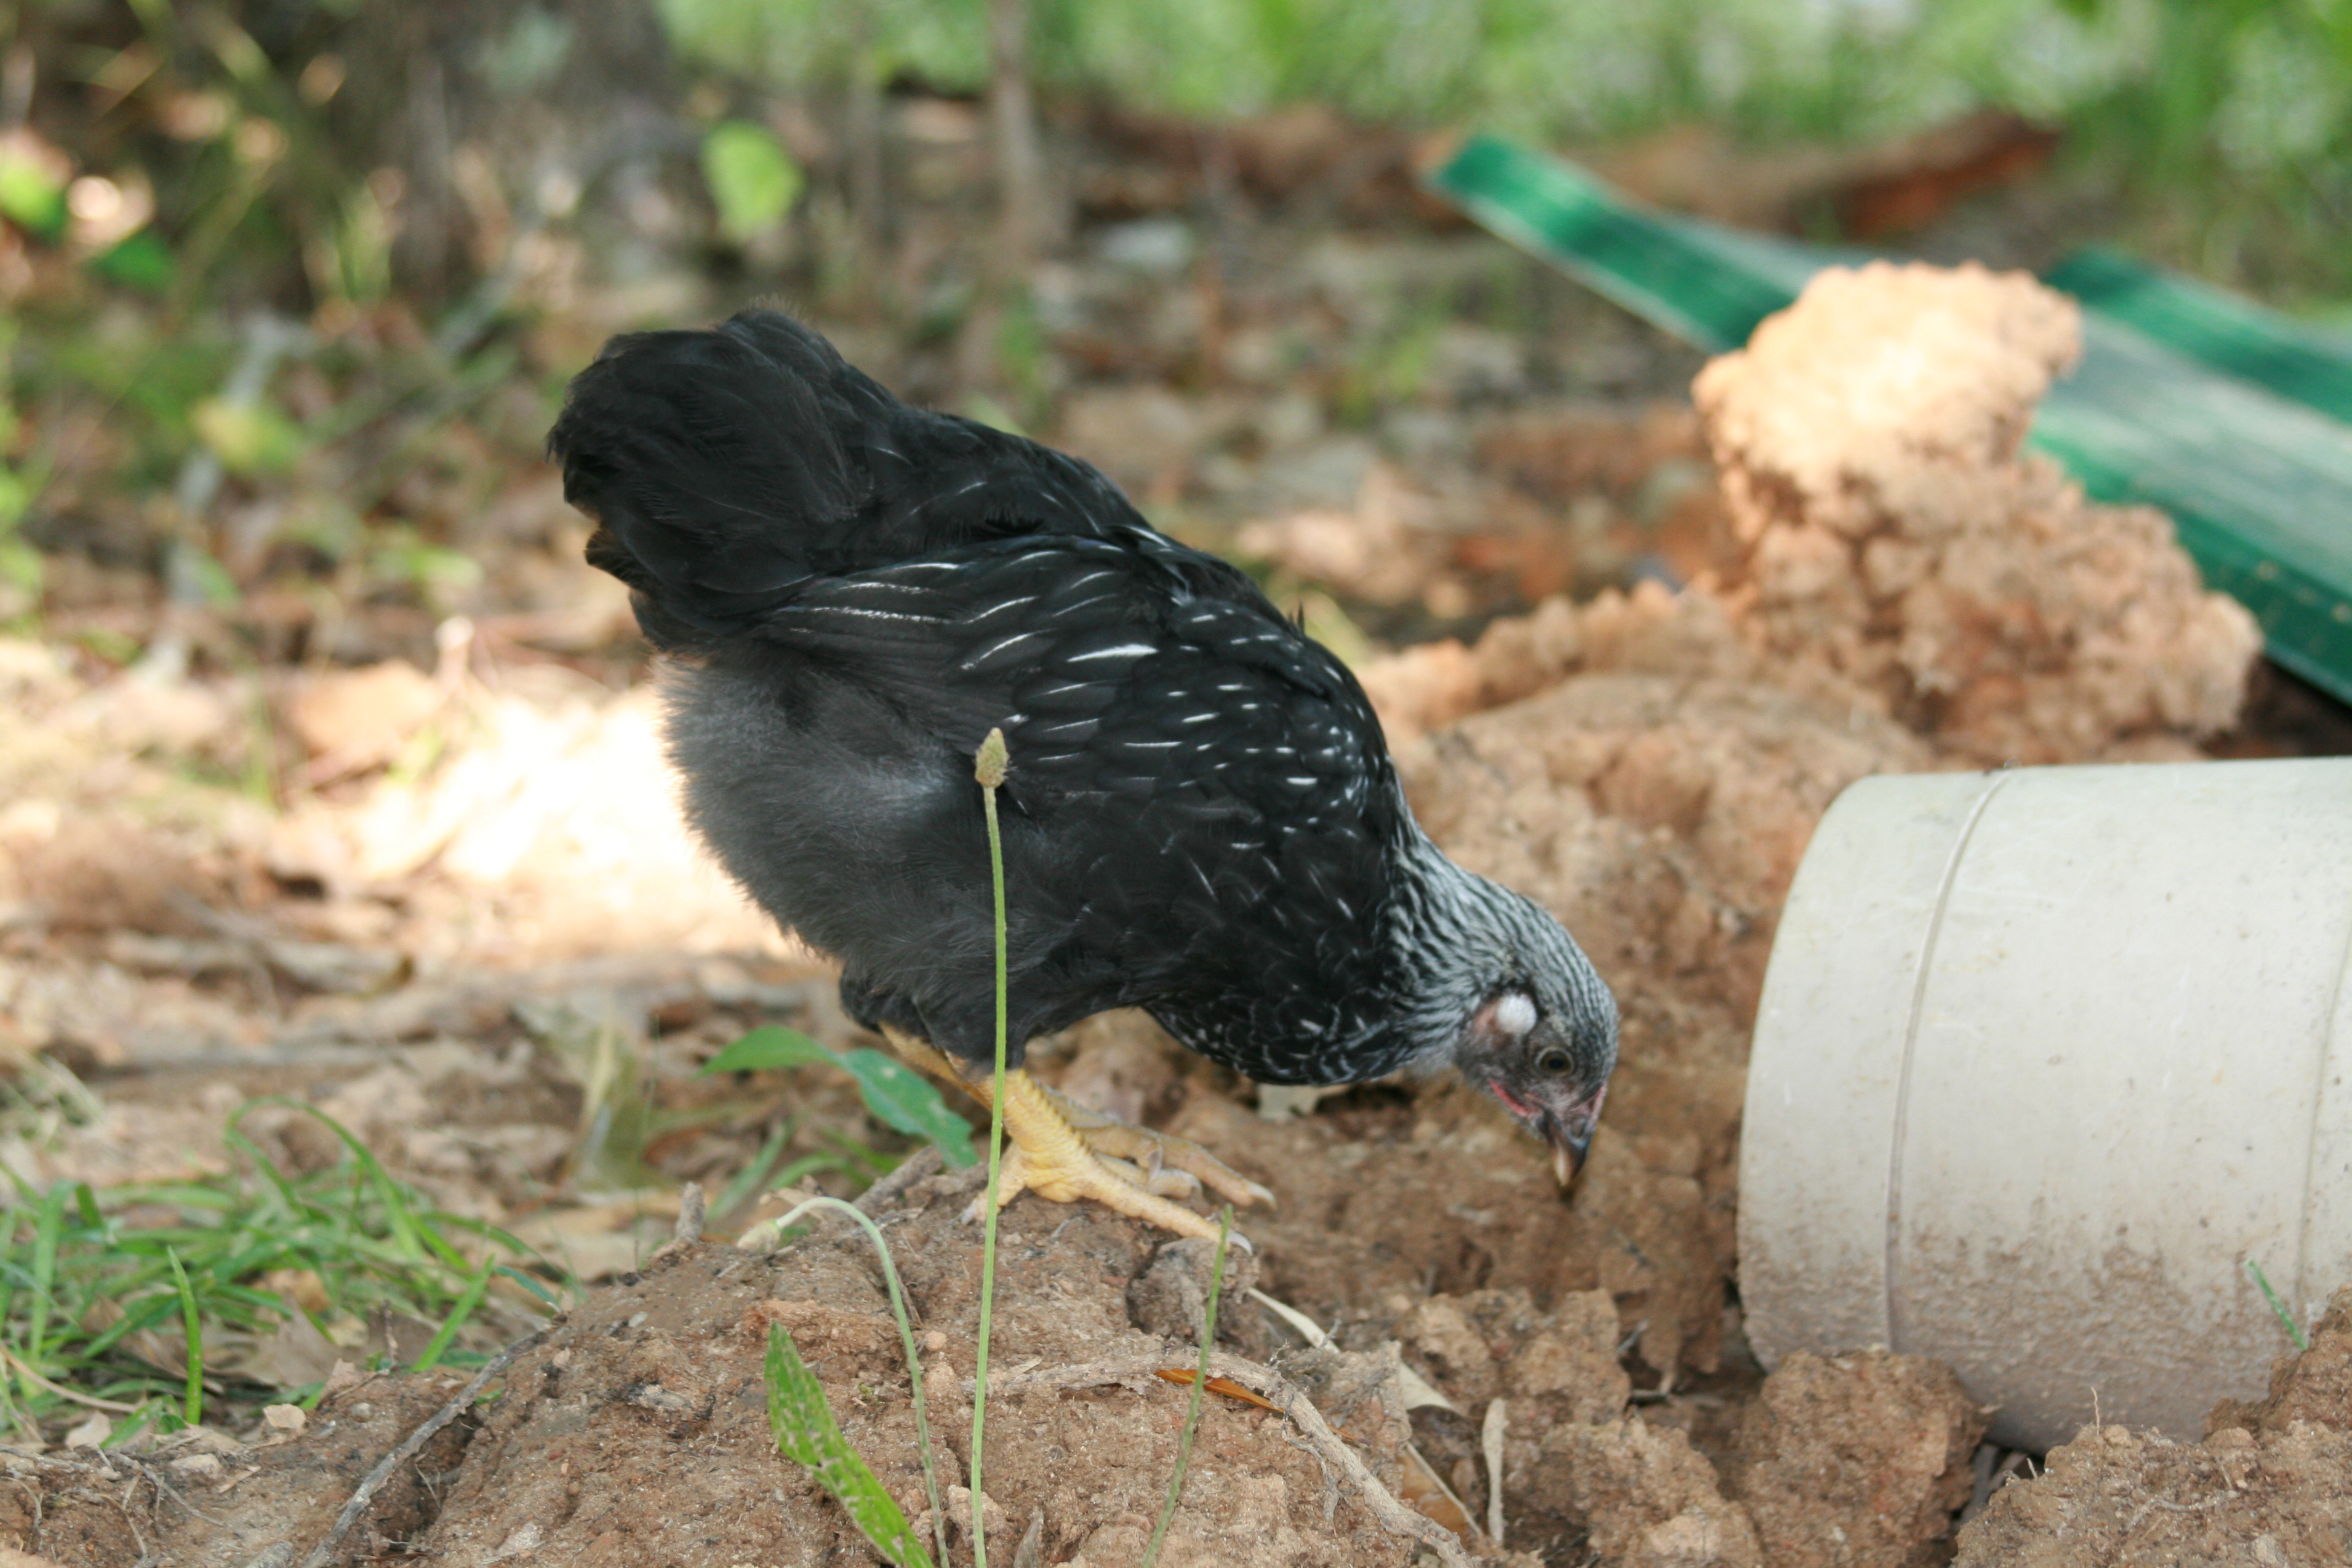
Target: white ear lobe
[{"x": 1514, "y": 1014}]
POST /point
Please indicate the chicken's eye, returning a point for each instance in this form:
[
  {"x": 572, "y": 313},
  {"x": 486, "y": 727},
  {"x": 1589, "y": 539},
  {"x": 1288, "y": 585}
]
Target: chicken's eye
[{"x": 1554, "y": 1061}]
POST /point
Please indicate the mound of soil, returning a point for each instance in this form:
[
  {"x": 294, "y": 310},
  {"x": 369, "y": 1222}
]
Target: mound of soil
[
  {"x": 199, "y": 1501},
  {"x": 1869, "y": 438},
  {"x": 2267, "y": 1485},
  {"x": 636, "y": 1432}
]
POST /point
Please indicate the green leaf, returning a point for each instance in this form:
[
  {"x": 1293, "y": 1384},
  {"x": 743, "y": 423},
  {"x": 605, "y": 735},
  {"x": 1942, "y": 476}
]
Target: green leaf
[
  {"x": 31, "y": 197},
  {"x": 769, "y": 1046},
  {"x": 434, "y": 568},
  {"x": 753, "y": 181},
  {"x": 191, "y": 1401},
  {"x": 448, "y": 1334},
  {"x": 907, "y": 1100},
  {"x": 807, "y": 1434},
  {"x": 896, "y": 1093},
  {"x": 142, "y": 262},
  {"x": 248, "y": 437}
]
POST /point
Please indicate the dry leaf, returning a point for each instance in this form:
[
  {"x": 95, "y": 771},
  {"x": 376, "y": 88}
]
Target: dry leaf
[
  {"x": 1420, "y": 1490},
  {"x": 291, "y": 1355},
  {"x": 1225, "y": 1385}
]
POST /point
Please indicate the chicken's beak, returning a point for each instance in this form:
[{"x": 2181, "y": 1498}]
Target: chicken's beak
[
  {"x": 1570, "y": 1134},
  {"x": 1567, "y": 1154}
]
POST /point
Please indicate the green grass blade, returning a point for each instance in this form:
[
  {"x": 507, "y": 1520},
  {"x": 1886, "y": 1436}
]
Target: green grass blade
[
  {"x": 539, "y": 1292},
  {"x": 415, "y": 1240},
  {"x": 807, "y": 1434},
  {"x": 752, "y": 1178},
  {"x": 192, "y": 1404},
  {"x": 905, "y": 1345},
  {"x": 145, "y": 1315},
  {"x": 234, "y": 1136},
  {"x": 66, "y": 1250},
  {"x": 989, "y": 769},
  {"x": 439, "y": 1345},
  {"x": 808, "y": 1165},
  {"x": 47, "y": 1230},
  {"x": 2285, "y": 1318},
  {"x": 1200, "y": 1386}
]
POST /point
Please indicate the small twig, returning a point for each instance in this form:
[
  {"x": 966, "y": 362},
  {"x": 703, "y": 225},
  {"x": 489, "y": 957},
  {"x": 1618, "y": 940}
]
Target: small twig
[
  {"x": 1200, "y": 1386},
  {"x": 147, "y": 1469},
  {"x": 692, "y": 1204},
  {"x": 37, "y": 1381},
  {"x": 414, "y": 1444},
  {"x": 2203, "y": 1505},
  {"x": 122, "y": 1502},
  {"x": 1140, "y": 1370},
  {"x": 1491, "y": 1440},
  {"x": 924, "y": 1162}
]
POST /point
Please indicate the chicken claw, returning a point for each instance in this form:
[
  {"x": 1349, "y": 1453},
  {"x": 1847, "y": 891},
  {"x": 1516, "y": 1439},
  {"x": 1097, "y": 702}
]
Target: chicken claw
[{"x": 1064, "y": 1152}]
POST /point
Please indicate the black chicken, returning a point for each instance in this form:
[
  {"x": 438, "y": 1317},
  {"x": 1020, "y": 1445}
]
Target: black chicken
[{"x": 1200, "y": 817}]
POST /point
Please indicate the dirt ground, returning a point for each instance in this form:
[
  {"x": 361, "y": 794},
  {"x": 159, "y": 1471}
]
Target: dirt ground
[
  {"x": 2266, "y": 1485},
  {"x": 488, "y": 886}
]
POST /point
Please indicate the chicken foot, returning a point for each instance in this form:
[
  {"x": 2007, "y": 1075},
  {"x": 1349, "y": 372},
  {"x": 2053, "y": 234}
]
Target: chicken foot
[{"x": 1063, "y": 1151}]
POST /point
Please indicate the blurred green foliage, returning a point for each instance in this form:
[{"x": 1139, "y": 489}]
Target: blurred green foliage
[
  {"x": 190, "y": 168},
  {"x": 2231, "y": 119},
  {"x": 753, "y": 181},
  {"x": 20, "y": 563},
  {"x": 1540, "y": 67}
]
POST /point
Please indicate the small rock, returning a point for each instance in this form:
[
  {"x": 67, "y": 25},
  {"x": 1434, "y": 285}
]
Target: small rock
[
  {"x": 1170, "y": 1297},
  {"x": 522, "y": 1541},
  {"x": 1868, "y": 1451},
  {"x": 958, "y": 1507}
]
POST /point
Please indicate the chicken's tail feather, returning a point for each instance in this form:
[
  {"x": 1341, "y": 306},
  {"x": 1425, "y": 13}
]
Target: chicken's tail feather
[
  {"x": 716, "y": 464},
  {"x": 726, "y": 467}
]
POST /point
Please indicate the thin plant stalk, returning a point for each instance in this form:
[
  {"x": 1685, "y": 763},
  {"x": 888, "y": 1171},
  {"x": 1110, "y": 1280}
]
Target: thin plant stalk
[
  {"x": 989, "y": 769},
  {"x": 2278, "y": 1307},
  {"x": 50, "y": 1225},
  {"x": 448, "y": 1334},
  {"x": 905, "y": 1343},
  {"x": 192, "y": 1404},
  {"x": 1200, "y": 1386}
]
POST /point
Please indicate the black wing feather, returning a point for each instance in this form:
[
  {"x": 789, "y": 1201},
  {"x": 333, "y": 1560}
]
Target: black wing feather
[
  {"x": 725, "y": 467},
  {"x": 1183, "y": 767}
]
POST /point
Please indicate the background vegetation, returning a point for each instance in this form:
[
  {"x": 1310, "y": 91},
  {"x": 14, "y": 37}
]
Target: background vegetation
[{"x": 248, "y": 139}]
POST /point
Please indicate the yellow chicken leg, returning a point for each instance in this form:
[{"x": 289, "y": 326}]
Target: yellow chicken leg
[{"x": 1063, "y": 1151}]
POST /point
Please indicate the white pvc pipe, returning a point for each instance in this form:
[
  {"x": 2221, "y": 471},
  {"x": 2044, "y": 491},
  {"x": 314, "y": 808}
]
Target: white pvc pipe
[{"x": 2044, "y": 1056}]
